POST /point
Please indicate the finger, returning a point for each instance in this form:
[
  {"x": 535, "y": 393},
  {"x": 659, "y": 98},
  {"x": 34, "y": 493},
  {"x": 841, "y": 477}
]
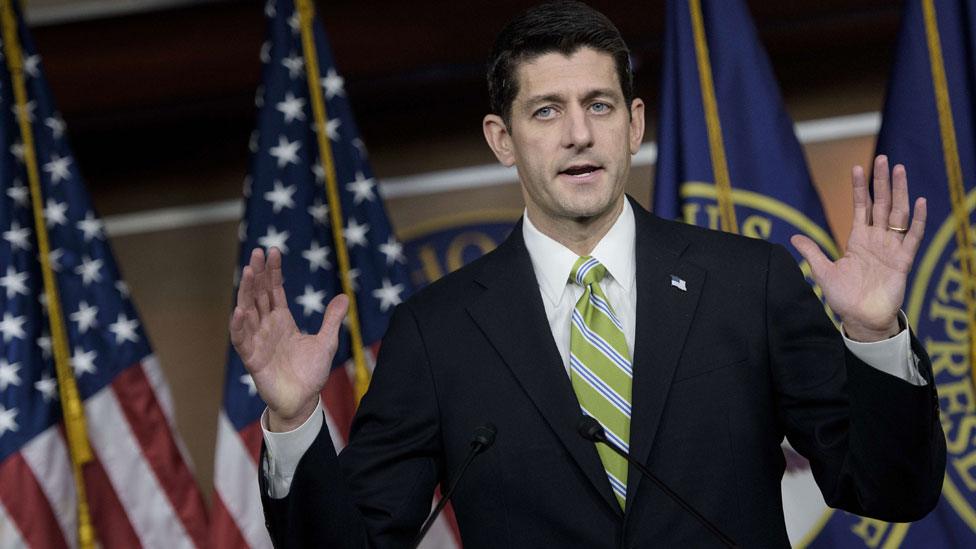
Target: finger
[
  {"x": 819, "y": 263},
  {"x": 245, "y": 291},
  {"x": 899, "y": 198},
  {"x": 276, "y": 280},
  {"x": 236, "y": 326},
  {"x": 332, "y": 319},
  {"x": 915, "y": 233},
  {"x": 862, "y": 200},
  {"x": 259, "y": 267},
  {"x": 882, "y": 191}
]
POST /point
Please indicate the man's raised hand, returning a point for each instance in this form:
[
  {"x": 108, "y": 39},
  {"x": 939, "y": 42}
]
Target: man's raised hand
[
  {"x": 289, "y": 368},
  {"x": 866, "y": 286}
]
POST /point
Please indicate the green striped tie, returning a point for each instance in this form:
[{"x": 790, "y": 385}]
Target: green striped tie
[{"x": 600, "y": 368}]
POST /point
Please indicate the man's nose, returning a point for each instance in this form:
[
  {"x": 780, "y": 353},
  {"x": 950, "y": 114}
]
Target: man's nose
[{"x": 577, "y": 133}]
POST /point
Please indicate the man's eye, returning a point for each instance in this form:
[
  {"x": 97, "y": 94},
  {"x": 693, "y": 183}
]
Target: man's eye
[
  {"x": 545, "y": 112},
  {"x": 600, "y": 107}
]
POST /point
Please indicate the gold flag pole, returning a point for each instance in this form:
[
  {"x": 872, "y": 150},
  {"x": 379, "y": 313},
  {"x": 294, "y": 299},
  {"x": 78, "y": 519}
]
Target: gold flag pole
[{"x": 72, "y": 408}]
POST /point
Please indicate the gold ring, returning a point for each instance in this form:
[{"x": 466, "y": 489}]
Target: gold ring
[{"x": 901, "y": 230}]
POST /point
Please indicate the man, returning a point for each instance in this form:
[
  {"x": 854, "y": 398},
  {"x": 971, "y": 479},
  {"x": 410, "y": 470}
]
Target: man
[{"x": 697, "y": 350}]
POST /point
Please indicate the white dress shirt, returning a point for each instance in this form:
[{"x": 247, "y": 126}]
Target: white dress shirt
[{"x": 552, "y": 263}]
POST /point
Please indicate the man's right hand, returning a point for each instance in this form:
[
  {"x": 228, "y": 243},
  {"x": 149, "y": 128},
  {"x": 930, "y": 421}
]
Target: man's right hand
[{"x": 289, "y": 368}]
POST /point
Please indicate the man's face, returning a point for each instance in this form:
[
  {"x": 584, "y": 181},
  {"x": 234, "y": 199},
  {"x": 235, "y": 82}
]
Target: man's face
[{"x": 570, "y": 136}]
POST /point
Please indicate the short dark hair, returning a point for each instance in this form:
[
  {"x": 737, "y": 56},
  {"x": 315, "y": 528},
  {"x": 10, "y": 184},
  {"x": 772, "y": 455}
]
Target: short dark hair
[{"x": 561, "y": 26}]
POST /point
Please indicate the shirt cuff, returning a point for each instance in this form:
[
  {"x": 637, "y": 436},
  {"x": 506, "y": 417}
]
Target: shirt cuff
[
  {"x": 892, "y": 356},
  {"x": 285, "y": 450}
]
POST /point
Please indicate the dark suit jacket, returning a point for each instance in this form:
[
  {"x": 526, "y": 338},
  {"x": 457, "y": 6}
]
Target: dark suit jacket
[{"x": 722, "y": 372}]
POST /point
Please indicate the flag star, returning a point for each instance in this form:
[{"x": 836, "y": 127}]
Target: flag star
[
  {"x": 248, "y": 183},
  {"x": 265, "y": 54},
  {"x": 259, "y": 96},
  {"x": 17, "y": 236},
  {"x": 332, "y": 128},
  {"x": 7, "y": 422},
  {"x": 85, "y": 316},
  {"x": 269, "y": 8},
  {"x": 122, "y": 288},
  {"x": 295, "y": 22},
  {"x": 27, "y": 109},
  {"x": 54, "y": 258},
  {"x": 242, "y": 231},
  {"x": 294, "y": 63},
  {"x": 280, "y": 197},
  {"x": 83, "y": 362},
  {"x": 17, "y": 149},
  {"x": 42, "y": 299},
  {"x": 354, "y": 279},
  {"x": 58, "y": 167},
  {"x": 319, "y": 211},
  {"x": 319, "y": 172},
  {"x": 31, "y": 64},
  {"x": 14, "y": 282},
  {"x": 362, "y": 188},
  {"x": 8, "y": 374},
  {"x": 248, "y": 381},
  {"x": 361, "y": 147},
  {"x": 285, "y": 151},
  {"x": 317, "y": 257},
  {"x": 274, "y": 239},
  {"x": 89, "y": 270},
  {"x": 124, "y": 329},
  {"x": 91, "y": 227},
  {"x": 57, "y": 126},
  {"x": 252, "y": 142},
  {"x": 44, "y": 342},
  {"x": 19, "y": 193},
  {"x": 293, "y": 108},
  {"x": 47, "y": 386},
  {"x": 54, "y": 213},
  {"x": 393, "y": 251},
  {"x": 355, "y": 233},
  {"x": 333, "y": 84},
  {"x": 389, "y": 294},
  {"x": 311, "y": 301},
  {"x": 12, "y": 326}
]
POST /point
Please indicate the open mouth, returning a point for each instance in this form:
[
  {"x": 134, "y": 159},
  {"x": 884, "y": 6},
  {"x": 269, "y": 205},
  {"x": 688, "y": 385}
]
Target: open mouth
[{"x": 580, "y": 171}]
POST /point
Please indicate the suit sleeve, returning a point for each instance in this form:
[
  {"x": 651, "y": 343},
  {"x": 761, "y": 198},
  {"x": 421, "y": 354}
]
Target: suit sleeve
[
  {"x": 378, "y": 491},
  {"x": 875, "y": 443}
]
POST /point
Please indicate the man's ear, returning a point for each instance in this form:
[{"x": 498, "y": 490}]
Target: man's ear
[
  {"x": 498, "y": 138},
  {"x": 636, "y": 125}
]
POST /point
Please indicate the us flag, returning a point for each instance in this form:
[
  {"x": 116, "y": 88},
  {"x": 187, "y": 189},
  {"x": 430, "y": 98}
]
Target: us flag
[
  {"x": 140, "y": 490},
  {"x": 287, "y": 207}
]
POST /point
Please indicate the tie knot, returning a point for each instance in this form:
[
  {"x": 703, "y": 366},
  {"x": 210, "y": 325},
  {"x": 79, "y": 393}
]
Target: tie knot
[{"x": 587, "y": 271}]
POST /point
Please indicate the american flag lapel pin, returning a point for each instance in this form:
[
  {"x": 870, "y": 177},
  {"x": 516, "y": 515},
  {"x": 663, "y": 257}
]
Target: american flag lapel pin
[{"x": 679, "y": 283}]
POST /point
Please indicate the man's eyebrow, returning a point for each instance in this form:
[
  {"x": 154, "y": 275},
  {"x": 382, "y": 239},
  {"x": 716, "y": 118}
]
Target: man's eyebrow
[{"x": 557, "y": 98}]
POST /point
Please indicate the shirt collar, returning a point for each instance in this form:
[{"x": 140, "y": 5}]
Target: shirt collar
[{"x": 553, "y": 262}]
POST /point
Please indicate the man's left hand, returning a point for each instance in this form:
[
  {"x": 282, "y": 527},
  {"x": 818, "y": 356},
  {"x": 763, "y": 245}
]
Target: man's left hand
[{"x": 866, "y": 286}]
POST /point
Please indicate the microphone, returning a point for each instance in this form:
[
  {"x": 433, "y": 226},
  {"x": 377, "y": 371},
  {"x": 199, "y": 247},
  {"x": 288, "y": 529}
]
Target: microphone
[
  {"x": 482, "y": 439},
  {"x": 591, "y": 430}
]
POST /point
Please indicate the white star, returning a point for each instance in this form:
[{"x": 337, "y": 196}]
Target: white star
[
  {"x": 44, "y": 342},
  {"x": 280, "y": 197},
  {"x": 247, "y": 380},
  {"x": 265, "y": 54},
  {"x": 285, "y": 151},
  {"x": 259, "y": 97},
  {"x": 389, "y": 294},
  {"x": 7, "y": 422},
  {"x": 274, "y": 239},
  {"x": 56, "y": 124},
  {"x": 83, "y": 362},
  {"x": 355, "y": 233},
  {"x": 58, "y": 168},
  {"x": 8, "y": 374},
  {"x": 13, "y": 282},
  {"x": 46, "y": 385},
  {"x": 54, "y": 213},
  {"x": 269, "y": 8},
  {"x": 319, "y": 172},
  {"x": 317, "y": 257},
  {"x": 12, "y": 326},
  {"x": 292, "y": 107},
  {"x": 362, "y": 188},
  {"x": 252, "y": 143},
  {"x": 393, "y": 251},
  {"x": 332, "y": 128},
  {"x": 85, "y": 316},
  {"x": 17, "y": 149},
  {"x": 248, "y": 183},
  {"x": 27, "y": 109},
  {"x": 242, "y": 231},
  {"x": 19, "y": 192},
  {"x": 54, "y": 258},
  {"x": 42, "y": 299},
  {"x": 311, "y": 301},
  {"x": 17, "y": 237},
  {"x": 91, "y": 227},
  {"x": 354, "y": 279},
  {"x": 31, "y": 64},
  {"x": 333, "y": 84},
  {"x": 89, "y": 270},
  {"x": 295, "y": 23},
  {"x": 319, "y": 211},
  {"x": 294, "y": 63},
  {"x": 124, "y": 329},
  {"x": 122, "y": 288},
  {"x": 361, "y": 147}
]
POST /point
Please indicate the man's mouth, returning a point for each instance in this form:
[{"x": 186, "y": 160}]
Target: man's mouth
[{"x": 580, "y": 170}]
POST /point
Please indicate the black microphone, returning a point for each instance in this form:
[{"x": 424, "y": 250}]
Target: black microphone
[
  {"x": 482, "y": 438},
  {"x": 591, "y": 430}
]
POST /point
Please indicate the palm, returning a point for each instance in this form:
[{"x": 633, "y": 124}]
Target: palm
[{"x": 866, "y": 286}]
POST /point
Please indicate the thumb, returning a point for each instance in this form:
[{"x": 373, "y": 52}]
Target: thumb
[
  {"x": 332, "y": 319},
  {"x": 819, "y": 263}
]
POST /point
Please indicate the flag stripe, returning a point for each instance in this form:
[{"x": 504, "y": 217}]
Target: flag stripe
[
  {"x": 151, "y": 429},
  {"x": 134, "y": 481},
  {"x": 47, "y": 456},
  {"x": 236, "y": 482},
  {"x": 27, "y": 505},
  {"x": 223, "y": 528},
  {"x": 109, "y": 516},
  {"x": 9, "y": 535},
  {"x": 154, "y": 374}
]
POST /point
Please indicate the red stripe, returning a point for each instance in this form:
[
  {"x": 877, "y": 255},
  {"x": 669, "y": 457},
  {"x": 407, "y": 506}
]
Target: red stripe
[
  {"x": 27, "y": 505},
  {"x": 224, "y": 533},
  {"x": 112, "y": 526},
  {"x": 340, "y": 400},
  {"x": 151, "y": 428},
  {"x": 251, "y": 437},
  {"x": 452, "y": 523}
]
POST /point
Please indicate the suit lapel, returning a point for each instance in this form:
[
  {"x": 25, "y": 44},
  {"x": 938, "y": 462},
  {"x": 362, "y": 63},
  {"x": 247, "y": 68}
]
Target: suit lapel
[
  {"x": 511, "y": 315},
  {"x": 664, "y": 315}
]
